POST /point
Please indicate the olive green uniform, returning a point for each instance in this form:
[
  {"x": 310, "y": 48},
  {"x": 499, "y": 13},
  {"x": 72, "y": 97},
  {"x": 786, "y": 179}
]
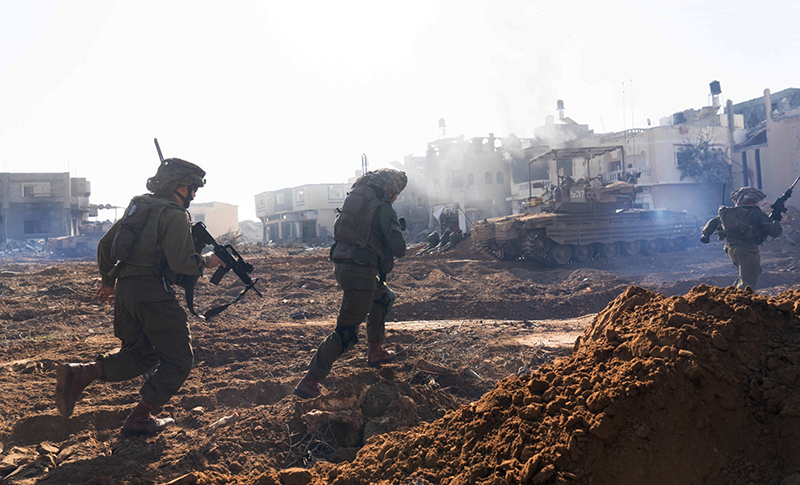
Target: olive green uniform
[
  {"x": 446, "y": 235},
  {"x": 365, "y": 295},
  {"x": 744, "y": 252},
  {"x": 148, "y": 319},
  {"x": 455, "y": 238},
  {"x": 433, "y": 241}
]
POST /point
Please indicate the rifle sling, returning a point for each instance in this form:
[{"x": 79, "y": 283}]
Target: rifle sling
[{"x": 188, "y": 284}]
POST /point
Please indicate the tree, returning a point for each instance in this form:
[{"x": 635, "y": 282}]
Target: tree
[{"x": 704, "y": 160}]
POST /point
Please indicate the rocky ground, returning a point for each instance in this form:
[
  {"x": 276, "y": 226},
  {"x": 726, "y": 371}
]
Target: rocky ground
[{"x": 673, "y": 378}]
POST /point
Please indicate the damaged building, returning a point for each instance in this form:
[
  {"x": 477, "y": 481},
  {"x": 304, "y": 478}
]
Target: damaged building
[
  {"x": 647, "y": 157},
  {"x": 461, "y": 180},
  {"x": 766, "y": 152},
  {"x": 469, "y": 179},
  {"x": 42, "y": 205},
  {"x": 304, "y": 213}
]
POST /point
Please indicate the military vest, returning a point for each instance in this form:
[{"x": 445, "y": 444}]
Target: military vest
[
  {"x": 352, "y": 229},
  {"x": 136, "y": 241},
  {"x": 737, "y": 222}
]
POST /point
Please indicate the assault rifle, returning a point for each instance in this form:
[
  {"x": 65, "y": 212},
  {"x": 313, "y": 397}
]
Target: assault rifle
[
  {"x": 232, "y": 261},
  {"x": 779, "y": 206}
]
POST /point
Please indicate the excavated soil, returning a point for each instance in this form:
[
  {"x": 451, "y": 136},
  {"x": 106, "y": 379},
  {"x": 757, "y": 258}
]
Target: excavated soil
[{"x": 636, "y": 370}]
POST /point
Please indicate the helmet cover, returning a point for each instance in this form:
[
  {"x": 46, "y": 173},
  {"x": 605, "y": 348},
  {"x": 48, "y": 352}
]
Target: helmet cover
[
  {"x": 389, "y": 180},
  {"x": 174, "y": 172},
  {"x": 745, "y": 195}
]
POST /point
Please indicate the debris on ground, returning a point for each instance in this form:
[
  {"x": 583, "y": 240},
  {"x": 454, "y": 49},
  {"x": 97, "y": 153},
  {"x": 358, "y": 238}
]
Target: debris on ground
[{"x": 676, "y": 378}]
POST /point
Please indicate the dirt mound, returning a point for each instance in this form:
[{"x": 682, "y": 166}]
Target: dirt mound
[
  {"x": 461, "y": 324},
  {"x": 700, "y": 388}
]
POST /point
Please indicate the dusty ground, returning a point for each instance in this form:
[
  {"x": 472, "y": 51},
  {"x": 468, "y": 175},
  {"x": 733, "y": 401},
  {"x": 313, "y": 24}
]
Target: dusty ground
[{"x": 667, "y": 384}]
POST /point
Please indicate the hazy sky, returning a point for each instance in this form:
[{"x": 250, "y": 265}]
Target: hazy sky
[{"x": 265, "y": 94}]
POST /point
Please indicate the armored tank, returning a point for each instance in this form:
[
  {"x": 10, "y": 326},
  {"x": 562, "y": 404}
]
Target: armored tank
[
  {"x": 577, "y": 221},
  {"x": 82, "y": 245}
]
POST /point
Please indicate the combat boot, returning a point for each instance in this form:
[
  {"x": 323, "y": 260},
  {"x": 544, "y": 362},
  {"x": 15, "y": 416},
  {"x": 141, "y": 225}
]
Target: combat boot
[
  {"x": 141, "y": 423},
  {"x": 377, "y": 356},
  {"x": 308, "y": 386},
  {"x": 71, "y": 380}
]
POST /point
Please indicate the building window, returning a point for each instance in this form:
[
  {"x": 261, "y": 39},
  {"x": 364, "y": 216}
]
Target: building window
[
  {"x": 419, "y": 201},
  {"x": 37, "y": 227},
  {"x": 199, "y": 217},
  {"x": 487, "y": 177},
  {"x": 261, "y": 202},
  {"x": 470, "y": 180},
  {"x": 500, "y": 178},
  {"x": 278, "y": 199},
  {"x": 299, "y": 196},
  {"x": 36, "y": 190},
  {"x": 335, "y": 193}
]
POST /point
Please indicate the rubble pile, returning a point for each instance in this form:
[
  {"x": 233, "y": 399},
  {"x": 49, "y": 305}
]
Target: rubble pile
[
  {"x": 700, "y": 388},
  {"x": 20, "y": 248}
]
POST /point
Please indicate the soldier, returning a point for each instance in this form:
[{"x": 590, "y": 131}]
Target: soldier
[
  {"x": 744, "y": 227},
  {"x": 455, "y": 238},
  {"x": 433, "y": 240},
  {"x": 446, "y": 235},
  {"x": 368, "y": 237},
  {"x": 137, "y": 271}
]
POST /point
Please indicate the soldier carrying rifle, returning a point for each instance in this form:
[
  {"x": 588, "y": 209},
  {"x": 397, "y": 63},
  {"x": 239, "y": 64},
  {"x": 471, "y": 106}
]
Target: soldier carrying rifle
[
  {"x": 140, "y": 257},
  {"x": 745, "y": 227}
]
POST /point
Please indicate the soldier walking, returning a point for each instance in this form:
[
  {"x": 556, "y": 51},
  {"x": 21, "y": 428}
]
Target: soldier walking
[
  {"x": 744, "y": 227},
  {"x": 137, "y": 272},
  {"x": 368, "y": 238}
]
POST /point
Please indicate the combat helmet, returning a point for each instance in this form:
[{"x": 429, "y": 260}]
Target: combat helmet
[
  {"x": 174, "y": 172},
  {"x": 389, "y": 180},
  {"x": 746, "y": 195}
]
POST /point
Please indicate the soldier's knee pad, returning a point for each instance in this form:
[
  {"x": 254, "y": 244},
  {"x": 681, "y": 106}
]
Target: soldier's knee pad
[{"x": 348, "y": 336}]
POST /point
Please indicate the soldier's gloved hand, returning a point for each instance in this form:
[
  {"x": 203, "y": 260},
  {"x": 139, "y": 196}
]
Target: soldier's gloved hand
[
  {"x": 402, "y": 222},
  {"x": 705, "y": 239}
]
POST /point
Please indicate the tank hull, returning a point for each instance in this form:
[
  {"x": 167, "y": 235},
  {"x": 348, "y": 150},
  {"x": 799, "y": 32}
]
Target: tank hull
[{"x": 559, "y": 238}]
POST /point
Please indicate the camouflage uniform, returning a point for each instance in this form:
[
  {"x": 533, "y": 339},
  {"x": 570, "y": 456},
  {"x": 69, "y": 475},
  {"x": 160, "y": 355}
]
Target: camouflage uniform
[
  {"x": 362, "y": 280},
  {"x": 742, "y": 246}
]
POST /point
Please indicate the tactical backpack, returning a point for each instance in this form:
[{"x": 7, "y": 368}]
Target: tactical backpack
[
  {"x": 737, "y": 222},
  {"x": 133, "y": 225},
  {"x": 352, "y": 229}
]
